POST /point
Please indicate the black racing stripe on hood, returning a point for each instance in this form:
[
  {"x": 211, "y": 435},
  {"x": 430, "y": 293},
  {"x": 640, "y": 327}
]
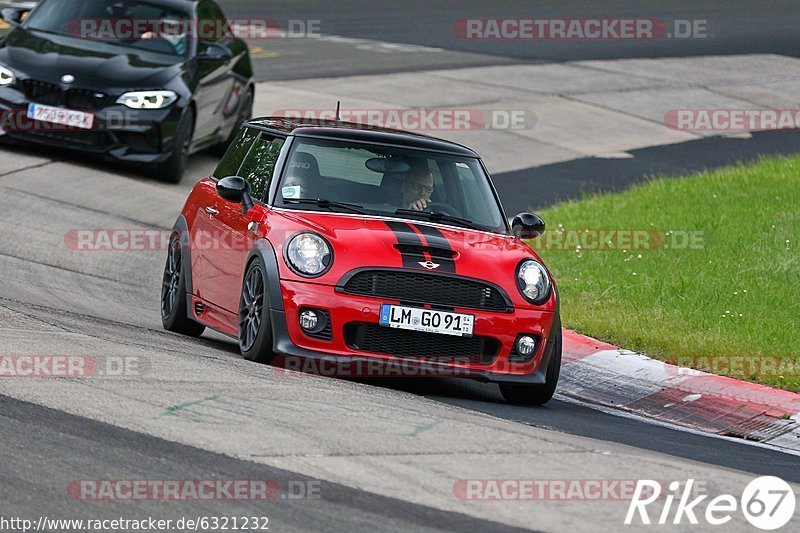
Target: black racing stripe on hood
[
  {"x": 436, "y": 239},
  {"x": 406, "y": 235}
]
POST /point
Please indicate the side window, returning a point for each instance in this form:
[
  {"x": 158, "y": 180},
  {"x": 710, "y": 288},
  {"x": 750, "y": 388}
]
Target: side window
[
  {"x": 259, "y": 164},
  {"x": 475, "y": 201},
  {"x": 236, "y": 152},
  {"x": 213, "y": 25}
]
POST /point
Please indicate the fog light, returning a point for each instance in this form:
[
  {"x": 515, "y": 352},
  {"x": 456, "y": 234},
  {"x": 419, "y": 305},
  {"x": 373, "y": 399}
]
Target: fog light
[
  {"x": 525, "y": 345},
  {"x": 308, "y": 320}
]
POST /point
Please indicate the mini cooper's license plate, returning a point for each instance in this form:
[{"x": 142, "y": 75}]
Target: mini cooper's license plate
[
  {"x": 58, "y": 115},
  {"x": 428, "y": 320}
]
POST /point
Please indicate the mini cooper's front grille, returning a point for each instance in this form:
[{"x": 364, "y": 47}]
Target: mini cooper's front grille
[
  {"x": 42, "y": 92},
  {"x": 368, "y": 337},
  {"x": 423, "y": 288}
]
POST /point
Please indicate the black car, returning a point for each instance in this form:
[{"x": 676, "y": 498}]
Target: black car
[{"x": 76, "y": 74}]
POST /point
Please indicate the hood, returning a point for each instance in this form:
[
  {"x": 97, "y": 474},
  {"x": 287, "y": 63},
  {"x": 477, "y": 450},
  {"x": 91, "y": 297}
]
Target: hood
[
  {"x": 47, "y": 57},
  {"x": 392, "y": 243}
]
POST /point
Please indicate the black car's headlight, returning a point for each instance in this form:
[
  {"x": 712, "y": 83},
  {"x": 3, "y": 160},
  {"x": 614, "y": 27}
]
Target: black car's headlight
[
  {"x": 6, "y": 76},
  {"x": 147, "y": 99},
  {"x": 308, "y": 254},
  {"x": 533, "y": 281}
]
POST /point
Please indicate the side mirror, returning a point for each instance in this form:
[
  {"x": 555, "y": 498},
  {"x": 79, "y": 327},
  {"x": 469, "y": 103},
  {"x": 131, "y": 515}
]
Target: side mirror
[
  {"x": 216, "y": 52},
  {"x": 527, "y": 226},
  {"x": 13, "y": 15},
  {"x": 236, "y": 190}
]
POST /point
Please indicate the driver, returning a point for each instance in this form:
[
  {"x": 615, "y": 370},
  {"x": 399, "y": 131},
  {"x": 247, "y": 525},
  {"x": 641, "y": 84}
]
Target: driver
[
  {"x": 417, "y": 189},
  {"x": 171, "y": 29}
]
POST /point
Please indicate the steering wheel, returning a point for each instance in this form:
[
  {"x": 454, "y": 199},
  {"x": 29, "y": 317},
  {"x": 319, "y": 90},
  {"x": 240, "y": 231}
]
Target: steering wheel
[{"x": 443, "y": 208}]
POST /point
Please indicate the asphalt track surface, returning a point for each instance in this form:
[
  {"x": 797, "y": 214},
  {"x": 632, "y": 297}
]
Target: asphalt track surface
[
  {"x": 733, "y": 27},
  {"x": 56, "y": 300}
]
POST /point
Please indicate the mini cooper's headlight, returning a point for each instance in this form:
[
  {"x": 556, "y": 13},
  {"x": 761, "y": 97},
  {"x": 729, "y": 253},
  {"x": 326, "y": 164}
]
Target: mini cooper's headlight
[
  {"x": 533, "y": 281},
  {"x": 6, "y": 76},
  {"x": 309, "y": 254},
  {"x": 147, "y": 99}
]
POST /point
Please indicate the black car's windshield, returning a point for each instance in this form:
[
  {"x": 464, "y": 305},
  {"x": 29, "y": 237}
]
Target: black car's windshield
[
  {"x": 389, "y": 181},
  {"x": 133, "y": 23}
]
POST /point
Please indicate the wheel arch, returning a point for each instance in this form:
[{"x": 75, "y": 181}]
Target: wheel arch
[
  {"x": 181, "y": 227},
  {"x": 262, "y": 249}
]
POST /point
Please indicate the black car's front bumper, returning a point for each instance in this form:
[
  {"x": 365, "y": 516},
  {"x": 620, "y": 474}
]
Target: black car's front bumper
[{"x": 132, "y": 135}]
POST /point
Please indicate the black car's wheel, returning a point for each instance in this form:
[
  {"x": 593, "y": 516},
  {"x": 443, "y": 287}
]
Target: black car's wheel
[
  {"x": 173, "y": 294},
  {"x": 172, "y": 170},
  {"x": 525, "y": 394},
  {"x": 255, "y": 328}
]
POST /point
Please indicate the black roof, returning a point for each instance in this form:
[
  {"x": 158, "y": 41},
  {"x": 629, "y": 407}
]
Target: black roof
[{"x": 337, "y": 129}]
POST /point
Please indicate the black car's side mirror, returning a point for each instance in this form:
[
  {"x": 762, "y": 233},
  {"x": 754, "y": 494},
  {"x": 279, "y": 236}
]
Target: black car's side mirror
[
  {"x": 216, "y": 52},
  {"x": 13, "y": 15},
  {"x": 237, "y": 190},
  {"x": 527, "y": 226}
]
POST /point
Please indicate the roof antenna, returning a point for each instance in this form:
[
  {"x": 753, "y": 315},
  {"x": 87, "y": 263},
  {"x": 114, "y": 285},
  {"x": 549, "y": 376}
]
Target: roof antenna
[{"x": 338, "y": 106}]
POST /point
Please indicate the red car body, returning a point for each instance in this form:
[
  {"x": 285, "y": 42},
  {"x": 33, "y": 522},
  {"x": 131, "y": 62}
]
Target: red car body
[{"x": 221, "y": 241}]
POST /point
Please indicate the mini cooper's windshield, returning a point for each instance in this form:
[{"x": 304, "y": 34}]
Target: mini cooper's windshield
[{"x": 355, "y": 177}]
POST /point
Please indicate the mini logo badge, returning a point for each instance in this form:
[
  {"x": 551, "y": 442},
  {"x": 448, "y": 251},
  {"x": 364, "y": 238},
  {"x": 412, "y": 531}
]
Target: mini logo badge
[
  {"x": 67, "y": 78},
  {"x": 430, "y": 265}
]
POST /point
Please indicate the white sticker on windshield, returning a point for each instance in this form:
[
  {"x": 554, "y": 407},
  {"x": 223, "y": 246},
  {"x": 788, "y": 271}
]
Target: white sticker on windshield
[{"x": 292, "y": 191}]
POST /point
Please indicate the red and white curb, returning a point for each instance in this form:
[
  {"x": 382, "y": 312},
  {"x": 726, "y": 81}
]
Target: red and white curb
[{"x": 600, "y": 373}]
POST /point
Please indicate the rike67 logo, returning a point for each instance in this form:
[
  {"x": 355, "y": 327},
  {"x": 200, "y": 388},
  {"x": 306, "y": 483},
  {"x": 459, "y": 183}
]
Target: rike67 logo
[{"x": 767, "y": 503}]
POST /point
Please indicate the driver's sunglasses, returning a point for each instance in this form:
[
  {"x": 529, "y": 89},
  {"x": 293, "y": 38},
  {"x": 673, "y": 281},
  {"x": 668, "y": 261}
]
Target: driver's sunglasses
[{"x": 420, "y": 188}]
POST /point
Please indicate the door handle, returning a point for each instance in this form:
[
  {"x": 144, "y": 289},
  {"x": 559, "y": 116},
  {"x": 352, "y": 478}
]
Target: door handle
[{"x": 211, "y": 211}]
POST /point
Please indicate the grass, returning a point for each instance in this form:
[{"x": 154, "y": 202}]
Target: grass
[{"x": 729, "y": 303}]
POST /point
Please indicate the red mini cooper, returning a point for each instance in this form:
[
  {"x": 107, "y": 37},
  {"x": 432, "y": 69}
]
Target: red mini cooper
[{"x": 327, "y": 241}]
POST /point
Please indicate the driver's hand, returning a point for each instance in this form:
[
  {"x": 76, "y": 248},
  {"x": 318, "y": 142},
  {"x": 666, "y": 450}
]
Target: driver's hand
[
  {"x": 419, "y": 205},
  {"x": 148, "y": 35}
]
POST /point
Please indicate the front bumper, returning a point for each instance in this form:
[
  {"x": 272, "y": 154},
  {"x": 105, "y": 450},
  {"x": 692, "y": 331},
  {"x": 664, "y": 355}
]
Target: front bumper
[
  {"x": 290, "y": 341},
  {"x": 118, "y": 133}
]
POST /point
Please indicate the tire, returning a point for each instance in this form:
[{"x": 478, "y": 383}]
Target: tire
[
  {"x": 245, "y": 112},
  {"x": 173, "y": 294},
  {"x": 173, "y": 169},
  {"x": 538, "y": 394},
  {"x": 255, "y": 327}
]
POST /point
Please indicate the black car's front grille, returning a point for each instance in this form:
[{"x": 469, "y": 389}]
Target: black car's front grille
[
  {"x": 93, "y": 141},
  {"x": 424, "y": 288},
  {"x": 147, "y": 142},
  {"x": 42, "y": 92},
  {"x": 368, "y": 337}
]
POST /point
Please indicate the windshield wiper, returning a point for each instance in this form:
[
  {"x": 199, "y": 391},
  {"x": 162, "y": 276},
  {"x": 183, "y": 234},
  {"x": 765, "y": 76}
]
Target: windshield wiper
[
  {"x": 328, "y": 204},
  {"x": 441, "y": 217}
]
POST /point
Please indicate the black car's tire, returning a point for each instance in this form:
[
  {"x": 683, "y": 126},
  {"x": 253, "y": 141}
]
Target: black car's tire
[
  {"x": 255, "y": 327},
  {"x": 538, "y": 394},
  {"x": 245, "y": 113},
  {"x": 172, "y": 170},
  {"x": 173, "y": 294}
]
